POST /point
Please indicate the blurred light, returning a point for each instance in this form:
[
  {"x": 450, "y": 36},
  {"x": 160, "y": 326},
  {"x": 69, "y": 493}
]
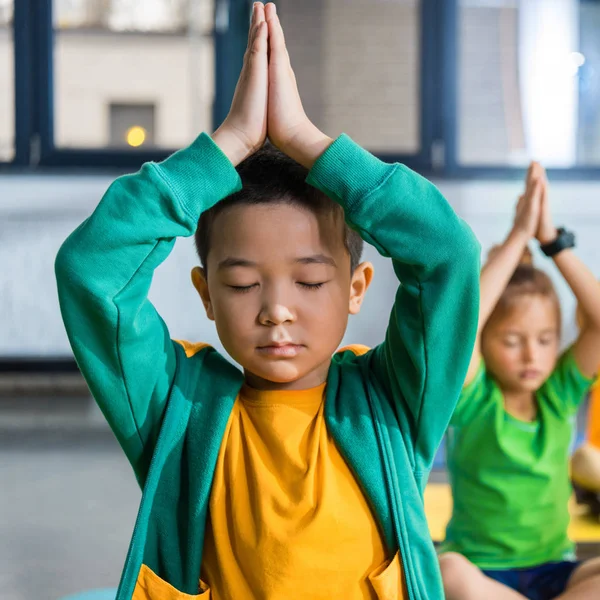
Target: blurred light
[
  {"x": 548, "y": 32},
  {"x": 136, "y": 136},
  {"x": 578, "y": 59}
]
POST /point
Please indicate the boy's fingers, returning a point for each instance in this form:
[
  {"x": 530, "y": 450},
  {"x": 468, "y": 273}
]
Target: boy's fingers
[
  {"x": 259, "y": 44},
  {"x": 258, "y": 16},
  {"x": 251, "y": 27},
  {"x": 253, "y": 43},
  {"x": 276, "y": 37},
  {"x": 258, "y": 12},
  {"x": 270, "y": 10}
]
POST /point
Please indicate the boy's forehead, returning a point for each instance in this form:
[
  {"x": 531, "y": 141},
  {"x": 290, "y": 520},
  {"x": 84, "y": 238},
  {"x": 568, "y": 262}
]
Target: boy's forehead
[{"x": 274, "y": 230}]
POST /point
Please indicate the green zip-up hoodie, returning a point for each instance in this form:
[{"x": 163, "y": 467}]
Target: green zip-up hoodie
[{"x": 387, "y": 410}]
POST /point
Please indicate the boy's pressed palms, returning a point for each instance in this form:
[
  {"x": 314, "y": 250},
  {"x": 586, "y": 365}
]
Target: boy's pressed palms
[
  {"x": 289, "y": 128},
  {"x": 286, "y": 116},
  {"x": 245, "y": 128}
]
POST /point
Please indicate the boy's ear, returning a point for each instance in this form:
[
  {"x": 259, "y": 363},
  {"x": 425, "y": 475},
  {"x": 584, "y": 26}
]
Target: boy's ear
[
  {"x": 361, "y": 280},
  {"x": 201, "y": 285}
]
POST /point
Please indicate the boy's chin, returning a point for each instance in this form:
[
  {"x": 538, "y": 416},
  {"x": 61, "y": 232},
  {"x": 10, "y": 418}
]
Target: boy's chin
[
  {"x": 276, "y": 372},
  {"x": 279, "y": 373}
]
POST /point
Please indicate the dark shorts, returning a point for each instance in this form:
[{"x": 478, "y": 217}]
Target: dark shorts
[{"x": 543, "y": 582}]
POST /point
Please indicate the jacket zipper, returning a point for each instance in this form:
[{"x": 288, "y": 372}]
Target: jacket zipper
[
  {"x": 394, "y": 491},
  {"x": 156, "y": 453}
]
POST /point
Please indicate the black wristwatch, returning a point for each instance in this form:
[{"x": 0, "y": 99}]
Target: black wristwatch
[{"x": 564, "y": 239}]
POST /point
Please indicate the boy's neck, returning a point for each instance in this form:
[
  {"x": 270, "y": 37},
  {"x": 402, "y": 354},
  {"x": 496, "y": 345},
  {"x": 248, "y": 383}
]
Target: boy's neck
[{"x": 522, "y": 405}]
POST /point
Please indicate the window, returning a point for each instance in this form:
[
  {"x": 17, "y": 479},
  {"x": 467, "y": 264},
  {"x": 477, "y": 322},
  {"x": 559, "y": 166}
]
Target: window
[
  {"x": 589, "y": 85},
  {"x": 528, "y": 83},
  {"x": 155, "y": 57},
  {"x": 451, "y": 87},
  {"x": 7, "y": 82},
  {"x": 358, "y": 68}
]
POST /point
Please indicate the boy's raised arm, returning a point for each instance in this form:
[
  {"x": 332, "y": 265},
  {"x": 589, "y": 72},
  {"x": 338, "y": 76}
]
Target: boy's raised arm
[
  {"x": 424, "y": 358},
  {"x": 105, "y": 268},
  {"x": 431, "y": 332}
]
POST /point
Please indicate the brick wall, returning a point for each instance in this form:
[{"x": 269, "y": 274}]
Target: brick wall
[
  {"x": 357, "y": 68},
  {"x": 489, "y": 117}
]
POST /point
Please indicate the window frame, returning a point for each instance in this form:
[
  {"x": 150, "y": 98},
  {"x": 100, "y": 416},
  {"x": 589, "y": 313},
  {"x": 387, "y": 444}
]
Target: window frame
[{"x": 33, "y": 36}]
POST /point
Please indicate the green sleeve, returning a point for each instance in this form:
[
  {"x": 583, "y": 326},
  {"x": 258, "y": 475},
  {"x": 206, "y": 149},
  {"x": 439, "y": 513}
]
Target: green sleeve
[
  {"x": 424, "y": 358},
  {"x": 567, "y": 386},
  {"x": 104, "y": 270}
]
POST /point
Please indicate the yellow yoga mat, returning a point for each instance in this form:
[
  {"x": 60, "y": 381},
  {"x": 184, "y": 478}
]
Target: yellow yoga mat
[
  {"x": 438, "y": 507},
  {"x": 594, "y": 416}
]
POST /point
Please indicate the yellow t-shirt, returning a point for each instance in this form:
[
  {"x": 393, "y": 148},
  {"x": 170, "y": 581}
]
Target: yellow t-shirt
[{"x": 287, "y": 518}]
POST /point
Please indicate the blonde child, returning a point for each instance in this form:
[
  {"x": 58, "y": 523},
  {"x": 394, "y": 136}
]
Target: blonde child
[{"x": 510, "y": 435}]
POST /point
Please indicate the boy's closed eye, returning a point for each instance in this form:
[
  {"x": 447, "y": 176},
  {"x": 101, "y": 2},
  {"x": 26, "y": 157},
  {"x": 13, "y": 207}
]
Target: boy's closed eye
[
  {"x": 242, "y": 288},
  {"x": 308, "y": 273},
  {"x": 303, "y": 284}
]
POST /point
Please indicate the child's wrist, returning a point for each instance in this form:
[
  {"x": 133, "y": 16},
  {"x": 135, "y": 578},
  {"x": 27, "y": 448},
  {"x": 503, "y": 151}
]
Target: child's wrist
[
  {"x": 547, "y": 236},
  {"x": 308, "y": 145},
  {"x": 518, "y": 236},
  {"x": 231, "y": 145}
]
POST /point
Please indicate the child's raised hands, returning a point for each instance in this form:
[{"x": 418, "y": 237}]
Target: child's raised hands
[
  {"x": 527, "y": 214},
  {"x": 546, "y": 231},
  {"x": 289, "y": 128},
  {"x": 245, "y": 128}
]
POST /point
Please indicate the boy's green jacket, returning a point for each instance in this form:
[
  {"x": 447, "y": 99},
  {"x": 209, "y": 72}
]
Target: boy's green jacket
[{"x": 387, "y": 410}]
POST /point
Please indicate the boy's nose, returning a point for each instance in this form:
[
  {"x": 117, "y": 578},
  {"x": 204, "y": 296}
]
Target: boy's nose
[{"x": 275, "y": 314}]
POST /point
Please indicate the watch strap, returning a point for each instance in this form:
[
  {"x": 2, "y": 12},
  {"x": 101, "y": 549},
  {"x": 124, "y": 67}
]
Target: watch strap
[{"x": 564, "y": 239}]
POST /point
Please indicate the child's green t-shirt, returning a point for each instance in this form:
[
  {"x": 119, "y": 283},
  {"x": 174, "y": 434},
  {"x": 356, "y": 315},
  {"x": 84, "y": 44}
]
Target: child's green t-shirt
[{"x": 510, "y": 478}]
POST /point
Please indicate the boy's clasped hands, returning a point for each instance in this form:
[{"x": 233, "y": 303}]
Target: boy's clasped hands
[{"x": 266, "y": 102}]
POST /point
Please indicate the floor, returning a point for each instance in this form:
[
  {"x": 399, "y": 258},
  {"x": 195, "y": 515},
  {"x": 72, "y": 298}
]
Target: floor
[
  {"x": 67, "y": 508},
  {"x": 68, "y": 501}
]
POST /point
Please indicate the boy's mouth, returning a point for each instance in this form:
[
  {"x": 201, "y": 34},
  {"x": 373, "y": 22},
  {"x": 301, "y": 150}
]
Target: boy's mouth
[{"x": 280, "y": 350}]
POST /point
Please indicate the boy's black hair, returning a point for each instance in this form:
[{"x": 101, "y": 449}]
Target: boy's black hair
[{"x": 270, "y": 176}]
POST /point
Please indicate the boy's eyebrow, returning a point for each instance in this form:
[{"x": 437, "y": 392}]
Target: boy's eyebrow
[
  {"x": 230, "y": 262},
  {"x": 319, "y": 259}
]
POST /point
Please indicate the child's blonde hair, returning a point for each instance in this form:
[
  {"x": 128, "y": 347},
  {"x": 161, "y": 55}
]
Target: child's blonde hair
[{"x": 527, "y": 280}]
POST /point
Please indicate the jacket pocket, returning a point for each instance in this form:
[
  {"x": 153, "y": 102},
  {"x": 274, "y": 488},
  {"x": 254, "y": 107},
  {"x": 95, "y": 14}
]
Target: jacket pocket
[
  {"x": 388, "y": 580},
  {"x": 150, "y": 586}
]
